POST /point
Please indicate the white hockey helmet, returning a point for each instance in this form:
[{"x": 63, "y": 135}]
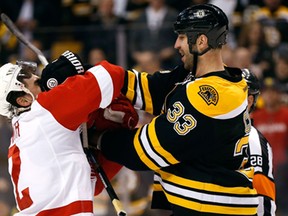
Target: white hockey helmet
[{"x": 8, "y": 83}]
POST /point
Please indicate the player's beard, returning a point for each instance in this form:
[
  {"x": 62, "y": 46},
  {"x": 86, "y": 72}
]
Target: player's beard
[{"x": 188, "y": 62}]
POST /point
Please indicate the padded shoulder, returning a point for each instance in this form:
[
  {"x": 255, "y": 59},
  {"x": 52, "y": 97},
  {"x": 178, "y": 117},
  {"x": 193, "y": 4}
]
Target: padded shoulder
[{"x": 217, "y": 97}]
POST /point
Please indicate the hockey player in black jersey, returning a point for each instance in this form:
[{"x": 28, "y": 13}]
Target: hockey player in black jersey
[
  {"x": 197, "y": 144},
  {"x": 260, "y": 154}
]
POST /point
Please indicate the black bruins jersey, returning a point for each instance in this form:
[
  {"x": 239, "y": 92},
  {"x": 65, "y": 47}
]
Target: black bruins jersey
[{"x": 197, "y": 146}]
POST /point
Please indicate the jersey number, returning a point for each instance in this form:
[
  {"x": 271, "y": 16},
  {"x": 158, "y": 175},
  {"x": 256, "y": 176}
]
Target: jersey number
[
  {"x": 183, "y": 123},
  {"x": 256, "y": 160},
  {"x": 25, "y": 200},
  {"x": 241, "y": 147}
]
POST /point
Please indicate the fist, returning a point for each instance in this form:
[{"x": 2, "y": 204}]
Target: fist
[
  {"x": 55, "y": 73},
  {"x": 120, "y": 114}
]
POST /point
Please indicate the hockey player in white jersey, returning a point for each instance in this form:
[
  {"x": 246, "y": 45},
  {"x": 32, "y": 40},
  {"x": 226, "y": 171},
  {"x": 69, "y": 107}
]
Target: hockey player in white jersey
[{"x": 48, "y": 167}]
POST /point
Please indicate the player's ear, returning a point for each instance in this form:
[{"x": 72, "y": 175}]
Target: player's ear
[
  {"x": 250, "y": 101},
  {"x": 202, "y": 40},
  {"x": 23, "y": 101}
]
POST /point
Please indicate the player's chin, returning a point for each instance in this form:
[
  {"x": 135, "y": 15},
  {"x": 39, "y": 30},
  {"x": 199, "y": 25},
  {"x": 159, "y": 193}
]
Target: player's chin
[{"x": 187, "y": 65}]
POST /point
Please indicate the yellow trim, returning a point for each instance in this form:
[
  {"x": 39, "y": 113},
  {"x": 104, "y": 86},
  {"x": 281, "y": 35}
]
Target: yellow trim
[
  {"x": 242, "y": 143},
  {"x": 158, "y": 148},
  {"x": 248, "y": 172},
  {"x": 130, "y": 88},
  {"x": 205, "y": 186},
  {"x": 157, "y": 187},
  {"x": 147, "y": 96},
  {"x": 141, "y": 153},
  {"x": 223, "y": 93},
  {"x": 210, "y": 208}
]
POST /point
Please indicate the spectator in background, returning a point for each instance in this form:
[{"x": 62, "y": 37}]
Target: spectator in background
[
  {"x": 227, "y": 55},
  {"x": 281, "y": 69},
  {"x": 29, "y": 15},
  {"x": 104, "y": 30},
  {"x": 272, "y": 122},
  {"x": 8, "y": 43},
  {"x": 129, "y": 9},
  {"x": 77, "y": 12},
  {"x": 148, "y": 61},
  {"x": 253, "y": 38},
  {"x": 274, "y": 18},
  {"x": 153, "y": 31},
  {"x": 96, "y": 55},
  {"x": 242, "y": 58}
]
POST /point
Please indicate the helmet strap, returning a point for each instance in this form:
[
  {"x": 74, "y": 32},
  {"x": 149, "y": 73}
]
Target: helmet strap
[
  {"x": 195, "y": 57},
  {"x": 195, "y": 62}
]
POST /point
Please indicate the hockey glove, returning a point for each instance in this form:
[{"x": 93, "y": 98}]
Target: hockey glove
[
  {"x": 55, "y": 73},
  {"x": 119, "y": 114}
]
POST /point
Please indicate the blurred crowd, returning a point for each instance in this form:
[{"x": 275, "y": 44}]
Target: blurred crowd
[{"x": 139, "y": 34}]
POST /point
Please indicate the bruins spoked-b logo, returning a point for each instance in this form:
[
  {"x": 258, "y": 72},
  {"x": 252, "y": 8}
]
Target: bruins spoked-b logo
[{"x": 209, "y": 94}]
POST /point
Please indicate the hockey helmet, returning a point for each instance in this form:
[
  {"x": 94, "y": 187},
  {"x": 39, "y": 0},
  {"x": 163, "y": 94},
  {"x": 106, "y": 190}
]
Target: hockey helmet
[
  {"x": 205, "y": 19},
  {"x": 253, "y": 85},
  {"x": 9, "y": 82}
]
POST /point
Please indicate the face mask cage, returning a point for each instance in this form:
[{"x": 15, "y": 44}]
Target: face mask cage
[{"x": 27, "y": 69}]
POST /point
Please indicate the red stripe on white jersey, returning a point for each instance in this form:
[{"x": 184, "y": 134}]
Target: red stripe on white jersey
[{"x": 78, "y": 207}]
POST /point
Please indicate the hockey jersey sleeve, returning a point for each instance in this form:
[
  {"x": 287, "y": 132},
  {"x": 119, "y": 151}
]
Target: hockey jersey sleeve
[
  {"x": 260, "y": 158},
  {"x": 199, "y": 120},
  {"x": 71, "y": 102},
  {"x": 147, "y": 92}
]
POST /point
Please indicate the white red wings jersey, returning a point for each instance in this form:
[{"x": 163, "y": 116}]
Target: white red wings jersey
[{"x": 49, "y": 170}]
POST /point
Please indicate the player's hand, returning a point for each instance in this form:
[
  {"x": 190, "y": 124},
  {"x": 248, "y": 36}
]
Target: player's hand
[
  {"x": 119, "y": 114},
  {"x": 55, "y": 73}
]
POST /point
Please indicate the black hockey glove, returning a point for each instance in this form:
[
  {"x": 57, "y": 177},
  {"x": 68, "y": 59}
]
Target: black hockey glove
[{"x": 55, "y": 73}]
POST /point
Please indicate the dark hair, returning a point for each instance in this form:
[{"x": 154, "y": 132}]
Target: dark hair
[
  {"x": 253, "y": 86},
  {"x": 13, "y": 95}
]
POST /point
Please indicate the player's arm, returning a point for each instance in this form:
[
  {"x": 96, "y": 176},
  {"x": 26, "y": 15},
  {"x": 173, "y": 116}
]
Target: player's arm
[
  {"x": 265, "y": 187},
  {"x": 148, "y": 92},
  {"x": 188, "y": 131},
  {"x": 80, "y": 95},
  {"x": 261, "y": 159}
]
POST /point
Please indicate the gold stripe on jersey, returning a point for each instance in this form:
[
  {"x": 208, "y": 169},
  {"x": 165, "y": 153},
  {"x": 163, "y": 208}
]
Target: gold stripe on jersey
[
  {"x": 152, "y": 156},
  {"x": 147, "y": 96},
  {"x": 248, "y": 173},
  {"x": 209, "y": 187},
  {"x": 141, "y": 153},
  {"x": 157, "y": 187},
  {"x": 203, "y": 197},
  {"x": 216, "y": 209},
  {"x": 131, "y": 85},
  {"x": 241, "y": 145},
  {"x": 204, "y": 95},
  {"x": 156, "y": 144}
]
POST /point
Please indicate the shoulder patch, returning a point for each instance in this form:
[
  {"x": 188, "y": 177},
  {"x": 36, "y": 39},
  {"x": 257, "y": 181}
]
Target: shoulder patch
[{"x": 209, "y": 94}]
